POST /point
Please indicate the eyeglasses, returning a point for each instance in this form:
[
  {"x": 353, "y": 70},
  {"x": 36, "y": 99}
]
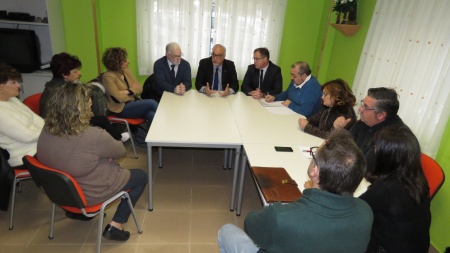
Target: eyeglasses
[
  {"x": 176, "y": 56},
  {"x": 217, "y": 55},
  {"x": 257, "y": 59},
  {"x": 312, "y": 151},
  {"x": 364, "y": 107}
]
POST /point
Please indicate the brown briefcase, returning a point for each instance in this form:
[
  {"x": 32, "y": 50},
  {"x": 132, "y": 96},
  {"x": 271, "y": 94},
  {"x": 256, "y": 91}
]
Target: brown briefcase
[{"x": 276, "y": 184}]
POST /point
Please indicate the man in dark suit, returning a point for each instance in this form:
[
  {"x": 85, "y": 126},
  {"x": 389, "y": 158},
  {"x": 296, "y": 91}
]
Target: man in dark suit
[
  {"x": 172, "y": 73},
  {"x": 215, "y": 73},
  {"x": 263, "y": 77}
]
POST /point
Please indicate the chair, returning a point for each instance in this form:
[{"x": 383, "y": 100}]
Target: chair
[
  {"x": 33, "y": 102},
  {"x": 63, "y": 190},
  {"x": 434, "y": 174},
  {"x": 20, "y": 173},
  {"x": 127, "y": 121}
]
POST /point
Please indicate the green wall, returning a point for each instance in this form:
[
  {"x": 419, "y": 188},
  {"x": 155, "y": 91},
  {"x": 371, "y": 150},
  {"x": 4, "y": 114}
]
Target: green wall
[{"x": 303, "y": 33}]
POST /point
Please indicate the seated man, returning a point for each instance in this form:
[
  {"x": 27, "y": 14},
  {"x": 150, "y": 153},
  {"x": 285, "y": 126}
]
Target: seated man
[
  {"x": 173, "y": 74},
  {"x": 326, "y": 219},
  {"x": 377, "y": 111},
  {"x": 304, "y": 94},
  {"x": 216, "y": 73},
  {"x": 262, "y": 77}
]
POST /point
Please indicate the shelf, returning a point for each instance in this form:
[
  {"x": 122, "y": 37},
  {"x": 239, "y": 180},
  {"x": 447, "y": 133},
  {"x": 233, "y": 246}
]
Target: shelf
[
  {"x": 347, "y": 30},
  {"x": 7, "y": 21}
]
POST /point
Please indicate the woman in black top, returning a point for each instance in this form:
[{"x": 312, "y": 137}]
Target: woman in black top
[{"x": 399, "y": 195}]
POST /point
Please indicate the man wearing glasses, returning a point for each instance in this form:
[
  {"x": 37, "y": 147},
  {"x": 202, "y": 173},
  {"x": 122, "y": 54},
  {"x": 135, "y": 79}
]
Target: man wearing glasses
[
  {"x": 263, "y": 77},
  {"x": 217, "y": 74},
  {"x": 172, "y": 73},
  {"x": 377, "y": 110},
  {"x": 304, "y": 94},
  {"x": 326, "y": 219}
]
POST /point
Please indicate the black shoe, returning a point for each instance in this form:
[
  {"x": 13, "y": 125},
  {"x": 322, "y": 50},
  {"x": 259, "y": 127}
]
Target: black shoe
[
  {"x": 115, "y": 234},
  {"x": 77, "y": 216}
]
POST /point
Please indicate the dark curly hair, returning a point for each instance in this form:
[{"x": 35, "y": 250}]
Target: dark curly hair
[
  {"x": 113, "y": 58},
  {"x": 9, "y": 73},
  {"x": 340, "y": 92},
  {"x": 63, "y": 63}
]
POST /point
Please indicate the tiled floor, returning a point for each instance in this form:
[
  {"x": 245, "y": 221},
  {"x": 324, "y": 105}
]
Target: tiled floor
[{"x": 191, "y": 201}]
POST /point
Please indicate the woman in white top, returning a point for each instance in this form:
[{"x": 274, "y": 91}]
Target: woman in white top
[{"x": 19, "y": 127}]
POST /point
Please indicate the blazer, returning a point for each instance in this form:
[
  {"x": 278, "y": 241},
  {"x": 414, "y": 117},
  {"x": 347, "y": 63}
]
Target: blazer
[
  {"x": 272, "y": 82},
  {"x": 163, "y": 80},
  {"x": 205, "y": 74},
  {"x": 113, "y": 83}
]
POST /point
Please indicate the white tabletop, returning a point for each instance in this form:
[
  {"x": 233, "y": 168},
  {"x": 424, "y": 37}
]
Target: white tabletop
[{"x": 193, "y": 120}]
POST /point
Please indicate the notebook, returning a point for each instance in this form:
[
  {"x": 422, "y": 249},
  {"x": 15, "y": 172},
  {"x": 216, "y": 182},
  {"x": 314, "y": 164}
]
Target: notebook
[{"x": 276, "y": 184}]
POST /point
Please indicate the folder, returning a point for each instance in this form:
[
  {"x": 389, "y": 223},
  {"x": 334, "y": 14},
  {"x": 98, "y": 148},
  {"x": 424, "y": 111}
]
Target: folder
[{"x": 276, "y": 184}]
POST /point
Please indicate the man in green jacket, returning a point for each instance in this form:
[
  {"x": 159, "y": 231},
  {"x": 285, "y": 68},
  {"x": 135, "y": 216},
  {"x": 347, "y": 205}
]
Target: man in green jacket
[{"x": 326, "y": 219}]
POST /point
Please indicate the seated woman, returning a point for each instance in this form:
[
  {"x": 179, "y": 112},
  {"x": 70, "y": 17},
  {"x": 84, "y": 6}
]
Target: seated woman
[
  {"x": 399, "y": 194},
  {"x": 20, "y": 127},
  {"x": 88, "y": 154},
  {"x": 66, "y": 68},
  {"x": 122, "y": 88},
  {"x": 338, "y": 101}
]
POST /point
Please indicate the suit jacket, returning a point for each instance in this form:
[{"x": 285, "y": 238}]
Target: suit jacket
[
  {"x": 272, "y": 82},
  {"x": 205, "y": 74},
  {"x": 163, "y": 79}
]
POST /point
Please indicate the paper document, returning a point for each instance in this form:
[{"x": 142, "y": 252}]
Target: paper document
[
  {"x": 280, "y": 110},
  {"x": 263, "y": 102}
]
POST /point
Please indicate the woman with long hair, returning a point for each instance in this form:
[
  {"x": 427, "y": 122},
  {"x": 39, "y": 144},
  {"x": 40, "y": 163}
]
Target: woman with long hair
[
  {"x": 68, "y": 143},
  {"x": 338, "y": 101},
  {"x": 399, "y": 195}
]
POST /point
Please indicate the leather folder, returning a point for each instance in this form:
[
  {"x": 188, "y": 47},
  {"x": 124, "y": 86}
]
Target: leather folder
[{"x": 276, "y": 184}]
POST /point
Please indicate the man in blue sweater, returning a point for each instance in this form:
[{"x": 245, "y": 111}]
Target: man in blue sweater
[
  {"x": 326, "y": 219},
  {"x": 304, "y": 93}
]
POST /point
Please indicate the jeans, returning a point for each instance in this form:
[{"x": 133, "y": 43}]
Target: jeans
[
  {"x": 144, "y": 108},
  {"x": 232, "y": 239},
  {"x": 136, "y": 185}
]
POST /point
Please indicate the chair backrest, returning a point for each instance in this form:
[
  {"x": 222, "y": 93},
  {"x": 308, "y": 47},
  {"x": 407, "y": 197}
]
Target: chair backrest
[
  {"x": 59, "y": 186},
  {"x": 434, "y": 174},
  {"x": 33, "y": 102}
]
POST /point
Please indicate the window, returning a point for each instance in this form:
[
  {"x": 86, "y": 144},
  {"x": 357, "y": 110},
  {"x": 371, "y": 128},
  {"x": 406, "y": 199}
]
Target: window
[{"x": 241, "y": 26}]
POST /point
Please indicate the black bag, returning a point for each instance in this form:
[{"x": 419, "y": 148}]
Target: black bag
[
  {"x": 6, "y": 180},
  {"x": 148, "y": 87},
  {"x": 140, "y": 133},
  {"x": 99, "y": 101}
]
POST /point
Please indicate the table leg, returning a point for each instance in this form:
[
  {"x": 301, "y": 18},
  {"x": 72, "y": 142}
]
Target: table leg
[
  {"x": 150, "y": 177},
  {"x": 235, "y": 178},
  {"x": 225, "y": 159},
  {"x": 160, "y": 157},
  {"x": 241, "y": 183}
]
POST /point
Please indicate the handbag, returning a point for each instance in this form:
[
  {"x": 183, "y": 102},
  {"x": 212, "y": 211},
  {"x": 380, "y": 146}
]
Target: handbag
[{"x": 276, "y": 184}]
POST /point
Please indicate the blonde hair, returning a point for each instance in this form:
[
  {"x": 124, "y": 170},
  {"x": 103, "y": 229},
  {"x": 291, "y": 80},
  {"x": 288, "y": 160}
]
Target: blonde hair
[{"x": 69, "y": 109}]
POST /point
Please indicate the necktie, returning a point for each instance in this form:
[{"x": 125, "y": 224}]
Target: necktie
[
  {"x": 216, "y": 80},
  {"x": 172, "y": 71},
  {"x": 261, "y": 73}
]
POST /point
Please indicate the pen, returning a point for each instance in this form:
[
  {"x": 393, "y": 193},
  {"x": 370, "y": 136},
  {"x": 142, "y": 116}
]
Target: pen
[{"x": 309, "y": 151}]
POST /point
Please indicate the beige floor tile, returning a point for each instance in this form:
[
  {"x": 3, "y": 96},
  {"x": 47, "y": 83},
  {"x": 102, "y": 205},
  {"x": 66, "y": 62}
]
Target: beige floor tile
[
  {"x": 46, "y": 248},
  {"x": 208, "y": 198},
  {"x": 205, "y": 248},
  {"x": 109, "y": 248},
  {"x": 205, "y": 224},
  {"x": 161, "y": 248},
  {"x": 208, "y": 157},
  {"x": 171, "y": 197},
  {"x": 211, "y": 176},
  {"x": 174, "y": 175},
  {"x": 25, "y": 227},
  {"x": 164, "y": 227},
  {"x": 13, "y": 248}
]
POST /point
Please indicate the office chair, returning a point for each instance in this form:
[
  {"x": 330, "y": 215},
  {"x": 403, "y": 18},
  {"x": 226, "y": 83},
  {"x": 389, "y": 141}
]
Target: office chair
[
  {"x": 127, "y": 121},
  {"x": 64, "y": 190},
  {"x": 33, "y": 102},
  {"x": 434, "y": 174},
  {"x": 20, "y": 174}
]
